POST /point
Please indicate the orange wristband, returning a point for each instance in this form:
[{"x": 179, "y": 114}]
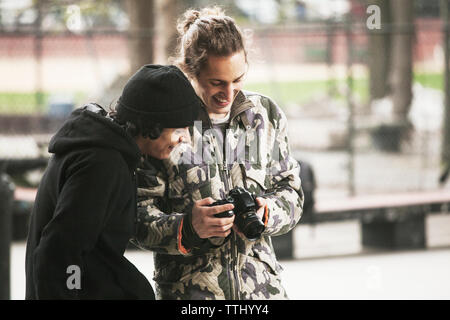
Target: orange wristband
[
  {"x": 182, "y": 249},
  {"x": 266, "y": 215}
]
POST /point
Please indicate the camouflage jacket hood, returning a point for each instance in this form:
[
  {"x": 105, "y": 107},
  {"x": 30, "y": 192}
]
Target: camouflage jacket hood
[{"x": 255, "y": 156}]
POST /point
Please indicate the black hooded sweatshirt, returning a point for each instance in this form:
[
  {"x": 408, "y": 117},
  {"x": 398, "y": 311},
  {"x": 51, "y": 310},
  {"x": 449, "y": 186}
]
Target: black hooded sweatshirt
[{"x": 84, "y": 214}]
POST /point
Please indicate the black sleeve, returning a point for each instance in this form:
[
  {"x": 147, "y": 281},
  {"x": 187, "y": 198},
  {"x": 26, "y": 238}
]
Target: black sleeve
[{"x": 91, "y": 186}]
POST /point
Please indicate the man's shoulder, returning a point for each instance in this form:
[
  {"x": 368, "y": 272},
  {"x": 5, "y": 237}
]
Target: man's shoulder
[
  {"x": 104, "y": 155},
  {"x": 98, "y": 158}
]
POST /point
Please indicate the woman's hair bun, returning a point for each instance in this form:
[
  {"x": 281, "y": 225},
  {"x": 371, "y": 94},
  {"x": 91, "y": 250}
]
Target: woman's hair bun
[
  {"x": 206, "y": 32},
  {"x": 192, "y": 15},
  {"x": 187, "y": 20}
]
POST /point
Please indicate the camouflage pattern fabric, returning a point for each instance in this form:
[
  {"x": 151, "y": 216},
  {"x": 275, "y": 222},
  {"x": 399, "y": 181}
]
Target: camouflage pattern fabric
[{"x": 256, "y": 156}]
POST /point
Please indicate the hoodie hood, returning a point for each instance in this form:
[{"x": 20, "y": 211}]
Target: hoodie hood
[{"x": 87, "y": 129}]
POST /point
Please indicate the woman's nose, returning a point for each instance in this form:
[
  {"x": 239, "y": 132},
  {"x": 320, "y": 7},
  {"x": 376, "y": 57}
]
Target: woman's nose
[{"x": 229, "y": 91}]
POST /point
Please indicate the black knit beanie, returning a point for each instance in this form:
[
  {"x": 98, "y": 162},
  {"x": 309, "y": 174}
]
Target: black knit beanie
[{"x": 159, "y": 94}]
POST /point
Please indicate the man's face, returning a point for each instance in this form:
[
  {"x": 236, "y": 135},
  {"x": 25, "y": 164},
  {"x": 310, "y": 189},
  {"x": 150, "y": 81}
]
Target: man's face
[
  {"x": 219, "y": 82},
  {"x": 162, "y": 147}
]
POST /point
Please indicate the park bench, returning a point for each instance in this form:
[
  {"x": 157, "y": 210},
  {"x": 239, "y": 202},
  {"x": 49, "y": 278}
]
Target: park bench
[
  {"x": 24, "y": 197},
  {"x": 388, "y": 221}
]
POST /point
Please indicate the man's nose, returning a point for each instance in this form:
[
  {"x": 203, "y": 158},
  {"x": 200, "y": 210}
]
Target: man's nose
[{"x": 184, "y": 136}]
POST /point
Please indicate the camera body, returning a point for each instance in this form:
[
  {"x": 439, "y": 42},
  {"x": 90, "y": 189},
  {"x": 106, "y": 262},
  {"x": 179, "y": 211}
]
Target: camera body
[{"x": 245, "y": 207}]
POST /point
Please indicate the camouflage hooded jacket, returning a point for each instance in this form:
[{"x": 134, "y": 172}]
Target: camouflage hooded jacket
[{"x": 255, "y": 156}]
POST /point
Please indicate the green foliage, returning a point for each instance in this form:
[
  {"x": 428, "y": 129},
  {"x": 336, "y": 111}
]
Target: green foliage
[
  {"x": 298, "y": 92},
  {"x": 430, "y": 80},
  {"x": 29, "y": 102},
  {"x": 22, "y": 103},
  {"x": 283, "y": 92}
]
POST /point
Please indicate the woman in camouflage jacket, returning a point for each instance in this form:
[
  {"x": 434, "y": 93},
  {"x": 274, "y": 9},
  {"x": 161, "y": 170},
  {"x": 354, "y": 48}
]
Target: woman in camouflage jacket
[{"x": 240, "y": 140}]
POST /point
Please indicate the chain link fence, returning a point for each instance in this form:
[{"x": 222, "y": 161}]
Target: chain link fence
[{"x": 317, "y": 71}]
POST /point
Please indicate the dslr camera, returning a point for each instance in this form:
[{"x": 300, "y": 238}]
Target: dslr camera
[{"x": 245, "y": 207}]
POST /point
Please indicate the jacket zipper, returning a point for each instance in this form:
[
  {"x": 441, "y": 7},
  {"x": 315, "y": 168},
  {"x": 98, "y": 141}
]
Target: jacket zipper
[
  {"x": 224, "y": 178},
  {"x": 223, "y": 169}
]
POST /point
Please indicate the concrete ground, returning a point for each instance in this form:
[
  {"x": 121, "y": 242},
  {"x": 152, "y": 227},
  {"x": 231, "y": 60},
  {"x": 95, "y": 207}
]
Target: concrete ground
[{"x": 406, "y": 275}]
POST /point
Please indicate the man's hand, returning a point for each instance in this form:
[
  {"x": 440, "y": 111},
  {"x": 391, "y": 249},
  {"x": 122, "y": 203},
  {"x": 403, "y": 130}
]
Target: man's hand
[{"x": 204, "y": 222}]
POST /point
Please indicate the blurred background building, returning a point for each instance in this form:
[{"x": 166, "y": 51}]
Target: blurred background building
[
  {"x": 362, "y": 82},
  {"x": 357, "y": 98}
]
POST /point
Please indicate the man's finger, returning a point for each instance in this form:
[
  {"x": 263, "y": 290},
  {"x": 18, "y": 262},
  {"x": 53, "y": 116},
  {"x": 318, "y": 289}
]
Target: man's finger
[
  {"x": 204, "y": 202},
  {"x": 223, "y": 228},
  {"x": 218, "y": 209},
  {"x": 214, "y": 221}
]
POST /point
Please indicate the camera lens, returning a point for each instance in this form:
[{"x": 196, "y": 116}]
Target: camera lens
[{"x": 250, "y": 225}]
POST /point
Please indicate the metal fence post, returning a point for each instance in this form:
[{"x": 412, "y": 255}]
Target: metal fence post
[
  {"x": 351, "y": 107},
  {"x": 445, "y": 153},
  {"x": 6, "y": 204}
]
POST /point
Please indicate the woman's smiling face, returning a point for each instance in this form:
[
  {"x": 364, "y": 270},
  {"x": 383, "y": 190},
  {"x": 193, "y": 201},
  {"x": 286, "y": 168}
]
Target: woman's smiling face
[{"x": 219, "y": 82}]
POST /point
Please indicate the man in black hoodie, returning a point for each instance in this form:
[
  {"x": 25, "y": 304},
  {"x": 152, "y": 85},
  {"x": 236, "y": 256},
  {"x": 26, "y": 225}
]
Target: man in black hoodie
[{"x": 85, "y": 208}]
